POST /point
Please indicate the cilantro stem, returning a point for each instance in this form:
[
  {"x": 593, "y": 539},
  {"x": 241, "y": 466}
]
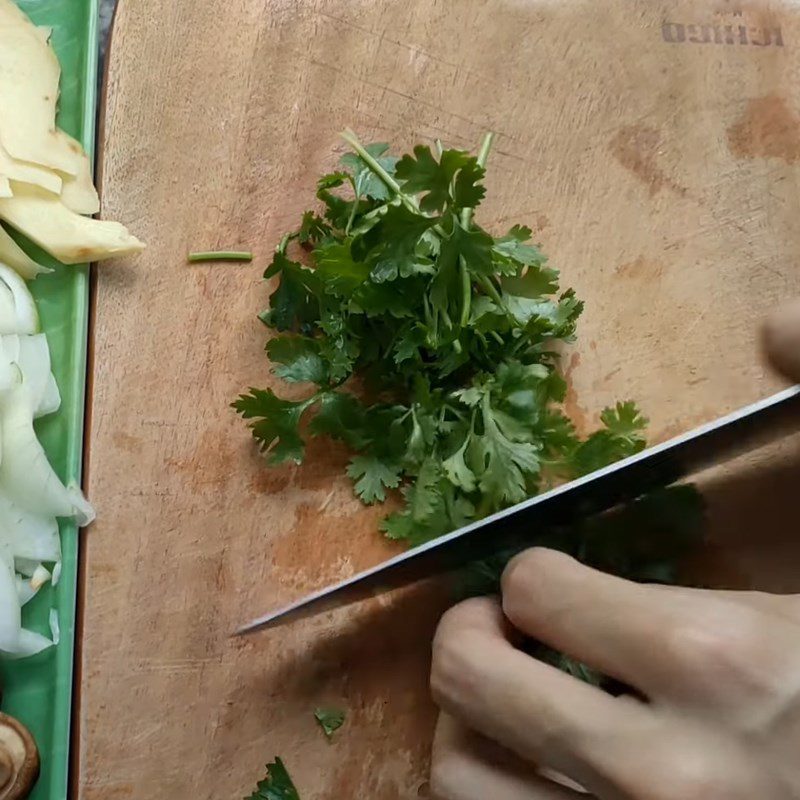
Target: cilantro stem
[
  {"x": 351, "y": 139},
  {"x": 483, "y": 155},
  {"x": 220, "y": 255},
  {"x": 353, "y": 209},
  {"x": 486, "y": 145},
  {"x": 281, "y": 248},
  {"x": 427, "y": 308},
  {"x": 466, "y": 221},
  {"x": 490, "y": 289},
  {"x": 466, "y": 292}
]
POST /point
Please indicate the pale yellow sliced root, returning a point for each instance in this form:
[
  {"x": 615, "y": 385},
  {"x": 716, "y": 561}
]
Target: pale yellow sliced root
[
  {"x": 16, "y": 258},
  {"x": 29, "y": 75},
  {"x": 29, "y": 173},
  {"x": 45, "y": 176},
  {"x": 77, "y": 191},
  {"x": 71, "y": 238},
  {"x": 12, "y": 14}
]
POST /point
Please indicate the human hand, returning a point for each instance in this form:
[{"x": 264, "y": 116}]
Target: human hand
[{"x": 720, "y": 672}]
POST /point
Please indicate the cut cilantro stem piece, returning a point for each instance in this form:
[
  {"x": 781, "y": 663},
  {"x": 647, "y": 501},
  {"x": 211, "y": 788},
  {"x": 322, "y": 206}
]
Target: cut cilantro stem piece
[{"x": 220, "y": 255}]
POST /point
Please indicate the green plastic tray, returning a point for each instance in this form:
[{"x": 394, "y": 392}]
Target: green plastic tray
[{"x": 38, "y": 691}]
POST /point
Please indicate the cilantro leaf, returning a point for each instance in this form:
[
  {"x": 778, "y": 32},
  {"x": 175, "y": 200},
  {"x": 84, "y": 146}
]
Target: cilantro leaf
[
  {"x": 367, "y": 183},
  {"x": 398, "y": 526},
  {"x": 339, "y": 348},
  {"x": 312, "y": 228},
  {"x": 373, "y": 477},
  {"x": 467, "y": 190},
  {"x": 391, "y": 245},
  {"x": 276, "y": 786},
  {"x": 423, "y": 173},
  {"x": 329, "y": 719},
  {"x": 294, "y": 304},
  {"x": 425, "y": 497},
  {"x": 513, "y": 246},
  {"x": 475, "y": 248},
  {"x": 338, "y": 272},
  {"x": 341, "y": 416},
  {"x": 457, "y": 472},
  {"x": 331, "y": 181},
  {"x": 298, "y": 358},
  {"x": 502, "y": 465},
  {"x": 536, "y": 282},
  {"x": 337, "y": 210},
  {"x": 274, "y": 423},
  {"x": 624, "y": 421}
]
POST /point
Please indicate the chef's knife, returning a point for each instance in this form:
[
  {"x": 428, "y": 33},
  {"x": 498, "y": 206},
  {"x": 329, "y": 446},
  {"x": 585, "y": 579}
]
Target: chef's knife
[{"x": 517, "y": 526}]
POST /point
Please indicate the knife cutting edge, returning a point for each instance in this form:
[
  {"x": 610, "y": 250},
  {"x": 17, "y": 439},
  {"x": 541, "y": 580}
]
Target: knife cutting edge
[{"x": 660, "y": 465}]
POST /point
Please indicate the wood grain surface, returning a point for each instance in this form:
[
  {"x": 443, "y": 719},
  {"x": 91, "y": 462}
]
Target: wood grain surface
[{"x": 653, "y": 146}]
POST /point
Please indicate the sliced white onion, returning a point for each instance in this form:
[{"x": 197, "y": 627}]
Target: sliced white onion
[
  {"x": 10, "y": 614},
  {"x": 31, "y": 494},
  {"x": 55, "y": 627},
  {"x": 25, "y": 473},
  {"x": 9, "y": 345},
  {"x": 51, "y": 399},
  {"x": 10, "y": 376},
  {"x": 25, "y": 590},
  {"x": 18, "y": 312},
  {"x": 29, "y": 644},
  {"x": 32, "y": 356},
  {"x": 34, "y": 363},
  {"x": 26, "y": 566},
  {"x": 28, "y": 535}
]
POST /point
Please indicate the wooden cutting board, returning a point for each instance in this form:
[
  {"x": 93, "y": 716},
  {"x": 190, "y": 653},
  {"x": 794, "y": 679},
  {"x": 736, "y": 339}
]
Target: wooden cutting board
[{"x": 653, "y": 147}]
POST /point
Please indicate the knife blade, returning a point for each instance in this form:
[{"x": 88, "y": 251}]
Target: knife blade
[{"x": 516, "y": 526}]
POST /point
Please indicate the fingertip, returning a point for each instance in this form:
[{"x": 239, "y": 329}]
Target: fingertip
[
  {"x": 780, "y": 339},
  {"x": 476, "y": 612},
  {"x": 528, "y": 570}
]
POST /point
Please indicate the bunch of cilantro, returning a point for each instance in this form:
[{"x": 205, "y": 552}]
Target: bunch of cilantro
[{"x": 433, "y": 349}]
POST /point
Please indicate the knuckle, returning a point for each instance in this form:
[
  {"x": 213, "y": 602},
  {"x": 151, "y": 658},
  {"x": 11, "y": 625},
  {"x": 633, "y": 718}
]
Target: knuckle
[
  {"x": 528, "y": 579},
  {"x": 726, "y": 642},
  {"x": 528, "y": 568},
  {"x": 727, "y": 653},
  {"x": 693, "y": 642}
]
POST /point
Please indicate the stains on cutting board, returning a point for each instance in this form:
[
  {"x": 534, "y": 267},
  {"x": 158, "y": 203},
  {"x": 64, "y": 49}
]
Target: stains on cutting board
[
  {"x": 127, "y": 442},
  {"x": 331, "y": 538},
  {"x": 324, "y": 466},
  {"x": 638, "y": 148},
  {"x": 212, "y": 462},
  {"x": 572, "y": 408},
  {"x": 640, "y": 267},
  {"x": 768, "y": 128}
]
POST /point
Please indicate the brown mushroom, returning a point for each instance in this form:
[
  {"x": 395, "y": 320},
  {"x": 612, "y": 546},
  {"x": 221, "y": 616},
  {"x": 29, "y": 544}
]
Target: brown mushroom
[{"x": 19, "y": 759}]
